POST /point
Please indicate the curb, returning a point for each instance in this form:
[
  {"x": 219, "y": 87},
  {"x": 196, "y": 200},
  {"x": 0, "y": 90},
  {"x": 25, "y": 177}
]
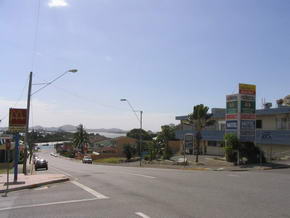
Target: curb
[{"x": 35, "y": 185}]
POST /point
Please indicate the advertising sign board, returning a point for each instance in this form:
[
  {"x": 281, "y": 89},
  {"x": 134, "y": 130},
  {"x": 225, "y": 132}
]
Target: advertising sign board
[
  {"x": 248, "y": 125},
  {"x": 232, "y": 107},
  {"x": 247, "y": 89},
  {"x": 231, "y": 124},
  {"x": 248, "y": 107},
  {"x": 17, "y": 120},
  {"x": 248, "y": 116},
  {"x": 188, "y": 140}
]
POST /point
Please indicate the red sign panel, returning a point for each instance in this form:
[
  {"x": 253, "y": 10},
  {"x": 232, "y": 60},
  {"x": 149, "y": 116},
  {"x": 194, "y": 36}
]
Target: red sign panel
[
  {"x": 231, "y": 116},
  {"x": 17, "y": 119},
  {"x": 248, "y": 116}
]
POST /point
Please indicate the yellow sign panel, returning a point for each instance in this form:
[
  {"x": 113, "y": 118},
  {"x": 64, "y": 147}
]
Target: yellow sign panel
[{"x": 247, "y": 89}]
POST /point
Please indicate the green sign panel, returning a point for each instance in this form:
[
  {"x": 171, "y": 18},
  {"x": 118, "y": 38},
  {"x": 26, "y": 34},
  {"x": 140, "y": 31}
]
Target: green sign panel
[
  {"x": 232, "y": 107},
  {"x": 248, "y": 107}
]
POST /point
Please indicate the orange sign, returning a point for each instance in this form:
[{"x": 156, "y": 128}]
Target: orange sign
[
  {"x": 17, "y": 119},
  {"x": 247, "y": 89},
  {"x": 248, "y": 116}
]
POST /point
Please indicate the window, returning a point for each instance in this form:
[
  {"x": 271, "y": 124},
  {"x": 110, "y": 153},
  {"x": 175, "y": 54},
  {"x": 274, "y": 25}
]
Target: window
[
  {"x": 212, "y": 143},
  {"x": 259, "y": 124},
  {"x": 281, "y": 123}
]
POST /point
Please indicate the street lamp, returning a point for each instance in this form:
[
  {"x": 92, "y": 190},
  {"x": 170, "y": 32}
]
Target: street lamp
[
  {"x": 140, "y": 120},
  {"x": 28, "y": 108}
]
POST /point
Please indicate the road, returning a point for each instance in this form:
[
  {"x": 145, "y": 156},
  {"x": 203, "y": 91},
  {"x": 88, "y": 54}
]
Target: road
[{"x": 112, "y": 191}]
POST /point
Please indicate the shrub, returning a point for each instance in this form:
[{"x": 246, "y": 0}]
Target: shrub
[
  {"x": 129, "y": 151},
  {"x": 167, "y": 153}
]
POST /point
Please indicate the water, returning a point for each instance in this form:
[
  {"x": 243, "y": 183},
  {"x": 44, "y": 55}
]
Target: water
[{"x": 111, "y": 135}]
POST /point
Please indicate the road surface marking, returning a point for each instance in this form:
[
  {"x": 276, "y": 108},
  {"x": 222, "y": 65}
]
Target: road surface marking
[
  {"x": 142, "y": 215},
  {"x": 233, "y": 175},
  {"x": 91, "y": 191},
  {"x": 134, "y": 174},
  {"x": 67, "y": 174},
  {"x": 47, "y": 204}
]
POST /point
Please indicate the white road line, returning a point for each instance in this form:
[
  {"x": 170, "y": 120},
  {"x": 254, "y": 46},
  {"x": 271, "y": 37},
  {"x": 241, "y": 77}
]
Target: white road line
[
  {"x": 134, "y": 174},
  {"x": 142, "y": 215},
  {"x": 47, "y": 204},
  {"x": 91, "y": 191},
  {"x": 233, "y": 175},
  {"x": 63, "y": 172}
]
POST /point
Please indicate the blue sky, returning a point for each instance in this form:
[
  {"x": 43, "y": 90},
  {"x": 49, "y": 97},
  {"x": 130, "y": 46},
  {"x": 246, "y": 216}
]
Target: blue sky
[{"x": 165, "y": 56}]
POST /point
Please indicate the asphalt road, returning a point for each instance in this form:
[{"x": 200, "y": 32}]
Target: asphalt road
[{"x": 112, "y": 191}]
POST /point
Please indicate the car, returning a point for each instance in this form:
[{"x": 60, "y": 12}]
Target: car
[
  {"x": 41, "y": 163},
  {"x": 35, "y": 158},
  {"x": 87, "y": 159}
]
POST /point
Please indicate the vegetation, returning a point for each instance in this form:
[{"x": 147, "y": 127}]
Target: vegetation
[
  {"x": 39, "y": 137},
  {"x": 162, "y": 142},
  {"x": 129, "y": 150},
  {"x": 113, "y": 160},
  {"x": 247, "y": 150},
  {"x": 199, "y": 119},
  {"x": 231, "y": 144},
  {"x": 80, "y": 138},
  {"x": 135, "y": 133}
]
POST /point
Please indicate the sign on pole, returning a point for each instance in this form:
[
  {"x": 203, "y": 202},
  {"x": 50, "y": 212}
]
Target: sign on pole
[
  {"x": 241, "y": 113},
  {"x": 17, "y": 120}
]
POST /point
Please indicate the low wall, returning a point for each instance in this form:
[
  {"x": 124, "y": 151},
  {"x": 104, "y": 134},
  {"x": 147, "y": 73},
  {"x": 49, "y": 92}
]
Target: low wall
[
  {"x": 275, "y": 151},
  {"x": 214, "y": 150}
]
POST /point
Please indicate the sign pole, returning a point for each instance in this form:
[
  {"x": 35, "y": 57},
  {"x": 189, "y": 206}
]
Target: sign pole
[
  {"x": 16, "y": 138},
  {"x": 7, "y": 156}
]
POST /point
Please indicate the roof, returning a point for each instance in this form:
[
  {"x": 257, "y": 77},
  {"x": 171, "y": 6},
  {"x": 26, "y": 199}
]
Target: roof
[{"x": 220, "y": 113}]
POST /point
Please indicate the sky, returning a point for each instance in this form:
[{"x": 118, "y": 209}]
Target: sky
[{"x": 164, "y": 56}]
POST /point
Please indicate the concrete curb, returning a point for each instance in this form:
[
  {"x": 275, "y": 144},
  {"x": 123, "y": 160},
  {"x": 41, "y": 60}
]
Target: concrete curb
[{"x": 36, "y": 185}]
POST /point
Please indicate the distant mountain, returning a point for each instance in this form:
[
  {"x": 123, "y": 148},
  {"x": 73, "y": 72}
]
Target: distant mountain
[{"x": 71, "y": 128}]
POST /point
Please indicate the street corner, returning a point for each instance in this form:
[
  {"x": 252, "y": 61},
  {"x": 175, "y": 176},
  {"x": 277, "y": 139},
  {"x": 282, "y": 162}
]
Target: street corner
[{"x": 31, "y": 181}]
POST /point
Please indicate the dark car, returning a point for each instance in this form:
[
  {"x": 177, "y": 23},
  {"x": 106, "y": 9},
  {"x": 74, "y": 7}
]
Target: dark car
[
  {"x": 41, "y": 163},
  {"x": 87, "y": 159}
]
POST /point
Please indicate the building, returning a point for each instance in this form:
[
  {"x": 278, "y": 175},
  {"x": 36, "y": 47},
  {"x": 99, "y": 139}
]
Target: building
[{"x": 272, "y": 131}]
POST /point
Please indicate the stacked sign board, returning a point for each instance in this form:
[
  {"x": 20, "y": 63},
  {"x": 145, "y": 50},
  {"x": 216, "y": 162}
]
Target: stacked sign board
[
  {"x": 17, "y": 120},
  {"x": 241, "y": 113}
]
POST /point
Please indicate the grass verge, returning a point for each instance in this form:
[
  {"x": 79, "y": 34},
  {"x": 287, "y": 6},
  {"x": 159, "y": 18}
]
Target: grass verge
[{"x": 113, "y": 160}]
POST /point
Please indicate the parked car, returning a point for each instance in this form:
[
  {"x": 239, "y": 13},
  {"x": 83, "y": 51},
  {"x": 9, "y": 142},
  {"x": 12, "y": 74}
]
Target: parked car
[
  {"x": 87, "y": 159},
  {"x": 35, "y": 158},
  {"x": 41, "y": 163}
]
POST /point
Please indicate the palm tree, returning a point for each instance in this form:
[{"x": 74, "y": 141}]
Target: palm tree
[
  {"x": 80, "y": 138},
  {"x": 199, "y": 119}
]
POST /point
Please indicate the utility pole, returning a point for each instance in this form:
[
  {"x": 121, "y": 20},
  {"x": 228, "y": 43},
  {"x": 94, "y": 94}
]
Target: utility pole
[
  {"x": 140, "y": 137},
  {"x": 26, "y": 141}
]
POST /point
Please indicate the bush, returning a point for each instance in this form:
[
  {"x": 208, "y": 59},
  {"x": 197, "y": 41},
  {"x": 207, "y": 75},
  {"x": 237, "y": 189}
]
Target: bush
[
  {"x": 251, "y": 152},
  {"x": 129, "y": 151},
  {"x": 167, "y": 153}
]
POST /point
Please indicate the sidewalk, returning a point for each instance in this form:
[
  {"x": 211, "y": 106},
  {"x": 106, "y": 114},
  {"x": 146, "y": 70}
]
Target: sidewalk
[{"x": 30, "y": 181}]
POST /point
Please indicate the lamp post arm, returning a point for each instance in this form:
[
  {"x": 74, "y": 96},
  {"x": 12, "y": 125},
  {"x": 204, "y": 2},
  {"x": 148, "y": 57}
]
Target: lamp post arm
[{"x": 49, "y": 83}]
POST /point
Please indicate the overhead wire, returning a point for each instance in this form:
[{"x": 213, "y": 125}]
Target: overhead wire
[{"x": 17, "y": 101}]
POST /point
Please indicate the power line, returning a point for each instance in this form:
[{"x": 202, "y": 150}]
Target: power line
[{"x": 17, "y": 101}]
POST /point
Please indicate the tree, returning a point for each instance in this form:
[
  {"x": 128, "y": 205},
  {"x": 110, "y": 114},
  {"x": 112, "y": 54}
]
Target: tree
[
  {"x": 80, "y": 138},
  {"x": 129, "y": 150},
  {"x": 167, "y": 133},
  {"x": 199, "y": 119},
  {"x": 135, "y": 133},
  {"x": 231, "y": 143}
]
